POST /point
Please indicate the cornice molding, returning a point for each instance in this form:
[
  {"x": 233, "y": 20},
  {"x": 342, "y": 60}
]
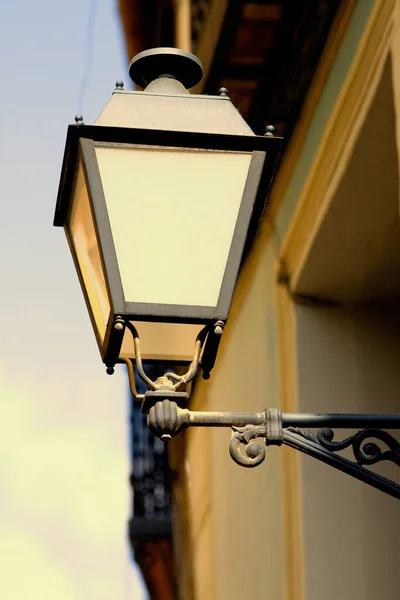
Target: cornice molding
[
  {"x": 337, "y": 142},
  {"x": 297, "y": 140},
  {"x": 339, "y": 137}
]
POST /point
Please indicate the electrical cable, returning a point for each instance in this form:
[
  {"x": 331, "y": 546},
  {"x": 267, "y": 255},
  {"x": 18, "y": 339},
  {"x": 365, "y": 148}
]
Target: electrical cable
[{"x": 89, "y": 55}]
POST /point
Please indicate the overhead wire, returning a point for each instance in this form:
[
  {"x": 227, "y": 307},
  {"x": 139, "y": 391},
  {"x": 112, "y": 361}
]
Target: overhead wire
[{"x": 89, "y": 55}]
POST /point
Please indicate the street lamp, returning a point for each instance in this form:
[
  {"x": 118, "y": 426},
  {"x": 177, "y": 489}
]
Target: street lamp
[
  {"x": 156, "y": 200},
  {"x": 159, "y": 200}
]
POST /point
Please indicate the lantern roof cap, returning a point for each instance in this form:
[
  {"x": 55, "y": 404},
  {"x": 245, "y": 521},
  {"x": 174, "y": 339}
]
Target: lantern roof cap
[
  {"x": 165, "y": 103},
  {"x": 161, "y": 62}
]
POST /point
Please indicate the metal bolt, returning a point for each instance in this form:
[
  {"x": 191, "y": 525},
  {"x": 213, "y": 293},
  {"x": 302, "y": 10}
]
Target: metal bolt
[
  {"x": 219, "y": 327},
  {"x": 79, "y": 119},
  {"x": 269, "y": 131},
  {"x": 119, "y": 85},
  {"x": 119, "y": 324},
  {"x": 223, "y": 91}
]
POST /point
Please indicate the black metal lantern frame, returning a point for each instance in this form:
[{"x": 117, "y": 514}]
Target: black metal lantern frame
[{"x": 80, "y": 145}]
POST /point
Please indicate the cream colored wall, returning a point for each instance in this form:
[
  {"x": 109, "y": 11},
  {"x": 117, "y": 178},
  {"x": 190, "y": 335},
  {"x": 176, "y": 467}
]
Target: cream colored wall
[
  {"x": 348, "y": 361},
  {"x": 242, "y": 521},
  {"x": 236, "y": 513},
  {"x": 347, "y": 356}
]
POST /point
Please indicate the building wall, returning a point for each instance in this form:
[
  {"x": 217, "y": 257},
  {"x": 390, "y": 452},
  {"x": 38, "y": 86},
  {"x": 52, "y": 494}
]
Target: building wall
[
  {"x": 236, "y": 513},
  {"x": 347, "y": 353},
  {"x": 348, "y": 361},
  {"x": 332, "y": 537}
]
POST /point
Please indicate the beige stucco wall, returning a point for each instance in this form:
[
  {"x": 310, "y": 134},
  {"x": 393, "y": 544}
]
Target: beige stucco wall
[
  {"x": 346, "y": 360},
  {"x": 236, "y": 515}
]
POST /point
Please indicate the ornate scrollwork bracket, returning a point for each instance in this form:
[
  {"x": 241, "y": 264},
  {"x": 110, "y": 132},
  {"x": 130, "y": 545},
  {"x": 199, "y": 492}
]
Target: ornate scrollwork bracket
[
  {"x": 243, "y": 449},
  {"x": 167, "y": 415},
  {"x": 248, "y": 453},
  {"x": 369, "y": 445}
]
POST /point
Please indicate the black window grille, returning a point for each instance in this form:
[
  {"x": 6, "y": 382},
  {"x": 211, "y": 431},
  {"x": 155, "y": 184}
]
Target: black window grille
[{"x": 150, "y": 476}]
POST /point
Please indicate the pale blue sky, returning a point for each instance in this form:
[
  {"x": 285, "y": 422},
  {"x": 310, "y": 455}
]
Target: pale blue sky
[{"x": 64, "y": 464}]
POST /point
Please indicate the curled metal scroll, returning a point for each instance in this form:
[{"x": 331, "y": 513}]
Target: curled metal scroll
[
  {"x": 243, "y": 450},
  {"x": 322, "y": 447},
  {"x": 366, "y": 452}
]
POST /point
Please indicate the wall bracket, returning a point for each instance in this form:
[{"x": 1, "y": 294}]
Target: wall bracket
[{"x": 167, "y": 415}]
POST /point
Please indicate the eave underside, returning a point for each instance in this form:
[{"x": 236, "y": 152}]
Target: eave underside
[{"x": 266, "y": 52}]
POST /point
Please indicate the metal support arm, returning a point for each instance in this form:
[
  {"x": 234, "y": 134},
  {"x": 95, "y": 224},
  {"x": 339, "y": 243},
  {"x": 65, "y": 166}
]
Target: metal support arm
[
  {"x": 165, "y": 419},
  {"x": 167, "y": 415}
]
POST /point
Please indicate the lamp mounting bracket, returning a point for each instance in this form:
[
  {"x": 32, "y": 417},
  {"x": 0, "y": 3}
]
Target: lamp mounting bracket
[
  {"x": 370, "y": 445},
  {"x": 310, "y": 433}
]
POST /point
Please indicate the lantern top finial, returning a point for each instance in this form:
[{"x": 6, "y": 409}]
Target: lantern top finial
[{"x": 179, "y": 64}]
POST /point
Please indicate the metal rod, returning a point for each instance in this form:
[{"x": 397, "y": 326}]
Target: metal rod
[
  {"x": 225, "y": 419},
  {"x": 131, "y": 378},
  {"x": 138, "y": 355},
  {"x": 194, "y": 365},
  {"x": 345, "y": 421}
]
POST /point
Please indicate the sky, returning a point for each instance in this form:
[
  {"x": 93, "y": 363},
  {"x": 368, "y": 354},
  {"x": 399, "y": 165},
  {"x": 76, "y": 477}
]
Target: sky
[{"x": 64, "y": 462}]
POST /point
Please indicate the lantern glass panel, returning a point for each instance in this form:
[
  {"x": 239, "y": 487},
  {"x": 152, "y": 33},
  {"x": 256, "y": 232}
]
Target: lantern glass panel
[
  {"x": 172, "y": 214},
  {"x": 82, "y": 238}
]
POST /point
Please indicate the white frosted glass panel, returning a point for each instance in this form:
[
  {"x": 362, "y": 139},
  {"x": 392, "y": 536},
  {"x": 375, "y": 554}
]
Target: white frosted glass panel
[
  {"x": 172, "y": 214},
  {"x": 82, "y": 237},
  {"x": 163, "y": 341}
]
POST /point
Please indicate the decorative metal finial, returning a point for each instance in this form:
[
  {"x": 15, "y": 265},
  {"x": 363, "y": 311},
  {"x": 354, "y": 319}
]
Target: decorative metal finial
[
  {"x": 223, "y": 92},
  {"x": 79, "y": 119},
  {"x": 119, "y": 85},
  {"x": 269, "y": 131}
]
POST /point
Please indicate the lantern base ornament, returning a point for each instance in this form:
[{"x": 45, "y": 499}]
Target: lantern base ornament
[{"x": 168, "y": 415}]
